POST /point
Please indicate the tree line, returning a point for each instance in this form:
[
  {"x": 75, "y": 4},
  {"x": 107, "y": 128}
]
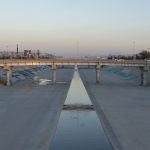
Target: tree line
[{"x": 143, "y": 55}]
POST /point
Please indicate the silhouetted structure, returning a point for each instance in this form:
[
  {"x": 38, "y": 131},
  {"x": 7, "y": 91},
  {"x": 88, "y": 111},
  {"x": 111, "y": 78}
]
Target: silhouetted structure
[{"x": 17, "y": 51}]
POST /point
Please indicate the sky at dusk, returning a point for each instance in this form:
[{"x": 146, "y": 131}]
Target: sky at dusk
[{"x": 75, "y": 27}]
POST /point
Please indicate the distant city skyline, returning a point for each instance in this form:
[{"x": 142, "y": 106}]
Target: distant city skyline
[{"x": 75, "y": 27}]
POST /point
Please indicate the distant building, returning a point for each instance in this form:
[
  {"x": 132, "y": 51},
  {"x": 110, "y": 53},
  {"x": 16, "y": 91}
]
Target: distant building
[{"x": 27, "y": 53}]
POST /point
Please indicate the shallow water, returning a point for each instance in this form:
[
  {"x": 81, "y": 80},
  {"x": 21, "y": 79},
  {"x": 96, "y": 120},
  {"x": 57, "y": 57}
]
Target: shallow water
[
  {"x": 77, "y": 93},
  {"x": 79, "y": 129}
]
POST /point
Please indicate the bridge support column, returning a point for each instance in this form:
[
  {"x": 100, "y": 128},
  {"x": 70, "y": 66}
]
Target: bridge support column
[
  {"x": 8, "y": 71},
  {"x": 98, "y": 73},
  {"x": 54, "y": 73},
  {"x": 144, "y": 71}
]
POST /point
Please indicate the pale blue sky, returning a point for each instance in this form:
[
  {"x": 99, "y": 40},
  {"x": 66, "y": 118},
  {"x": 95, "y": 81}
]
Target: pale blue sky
[{"x": 98, "y": 26}]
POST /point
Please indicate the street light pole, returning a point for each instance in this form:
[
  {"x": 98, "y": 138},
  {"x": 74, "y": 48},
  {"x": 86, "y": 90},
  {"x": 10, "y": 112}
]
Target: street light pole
[{"x": 134, "y": 55}]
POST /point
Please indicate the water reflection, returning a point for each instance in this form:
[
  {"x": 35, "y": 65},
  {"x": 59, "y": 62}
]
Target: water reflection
[
  {"x": 77, "y": 93},
  {"x": 79, "y": 129}
]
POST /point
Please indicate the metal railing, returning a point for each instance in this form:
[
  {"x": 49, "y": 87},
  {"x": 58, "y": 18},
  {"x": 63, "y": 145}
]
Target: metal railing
[{"x": 22, "y": 62}]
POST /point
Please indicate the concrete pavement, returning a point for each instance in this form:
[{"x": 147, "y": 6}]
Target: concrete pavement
[
  {"x": 123, "y": 108},
  {"x": 29, "y": 113}
]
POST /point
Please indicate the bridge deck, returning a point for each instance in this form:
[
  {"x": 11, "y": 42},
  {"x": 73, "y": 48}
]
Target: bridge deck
[{"x": 32, "y": 62}]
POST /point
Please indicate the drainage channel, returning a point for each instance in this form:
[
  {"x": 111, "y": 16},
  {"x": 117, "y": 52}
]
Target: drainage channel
[{"x": 78, "y": 126}]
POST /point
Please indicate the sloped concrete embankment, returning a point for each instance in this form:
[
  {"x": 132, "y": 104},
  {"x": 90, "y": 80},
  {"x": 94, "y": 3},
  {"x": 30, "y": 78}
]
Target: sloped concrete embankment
[
  {"x": 123, "y": 108},
  {"x": 29, "y": 113}
]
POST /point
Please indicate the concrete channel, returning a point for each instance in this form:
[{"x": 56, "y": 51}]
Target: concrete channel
[{"x": 78, "y": 126}]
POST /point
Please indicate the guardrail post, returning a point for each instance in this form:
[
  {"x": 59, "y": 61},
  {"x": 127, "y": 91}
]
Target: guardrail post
[{"x": 54, "y": 73}]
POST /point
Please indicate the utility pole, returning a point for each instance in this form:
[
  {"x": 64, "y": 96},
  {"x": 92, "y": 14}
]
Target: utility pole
[
  {"x": 134, "y": 54},
  {"x": 21, "y": 49},
  {"x": 38, "y": 53},
  {"x": 77, "y": 48},
  {"x": 17, "y": 51}
]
